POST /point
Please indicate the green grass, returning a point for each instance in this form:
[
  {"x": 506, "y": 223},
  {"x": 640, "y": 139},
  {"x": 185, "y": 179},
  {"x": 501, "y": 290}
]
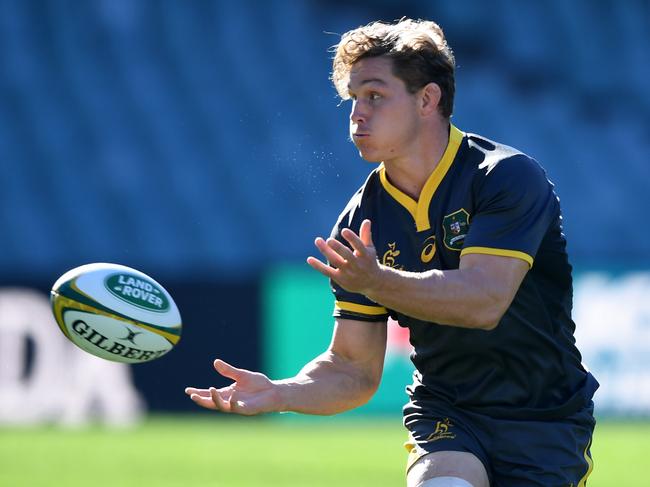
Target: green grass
[
  {"x": 218, "y": 451},
  {"x": 620, "y": 450}
]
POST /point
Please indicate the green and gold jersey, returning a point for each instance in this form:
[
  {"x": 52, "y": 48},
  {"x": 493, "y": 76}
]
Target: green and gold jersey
[{"x": 485, "y": 198}]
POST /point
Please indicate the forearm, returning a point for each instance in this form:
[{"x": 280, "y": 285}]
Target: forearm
[
  {"x": 461, "y": 297},
  {"x": 327, "y": 385}
]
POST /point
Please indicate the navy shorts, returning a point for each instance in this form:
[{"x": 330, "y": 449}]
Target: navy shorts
[{"x": 515, "y": 453}]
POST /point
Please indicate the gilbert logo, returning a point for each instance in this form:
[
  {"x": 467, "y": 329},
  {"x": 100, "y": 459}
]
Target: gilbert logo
[{"x": 137, "y": 291}]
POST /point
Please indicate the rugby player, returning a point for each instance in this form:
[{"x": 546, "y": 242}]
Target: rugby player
[{"x": 459, "y": 238}]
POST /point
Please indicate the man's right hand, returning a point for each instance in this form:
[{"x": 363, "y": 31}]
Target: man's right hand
[
  {"x": 343, "y": 377},
  {"x": 251, "y": 393}
]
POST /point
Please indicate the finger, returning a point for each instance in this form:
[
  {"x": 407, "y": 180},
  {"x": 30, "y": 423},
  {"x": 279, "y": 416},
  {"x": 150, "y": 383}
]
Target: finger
[
  {"x": 206, "y": 402},
  {"x": 340, "y": 249},
  {"x": 220, "y": 402},
  {"x": 335, "y": 259},
  {"x": 224, "y": 392},
  {"x": 229, "y": 371},
  {"x": 354, "y": 240},
  {"x": 324, "y": 269},
  {"x": 365, "y": 233},
  {"x": 201, "y": 392}
]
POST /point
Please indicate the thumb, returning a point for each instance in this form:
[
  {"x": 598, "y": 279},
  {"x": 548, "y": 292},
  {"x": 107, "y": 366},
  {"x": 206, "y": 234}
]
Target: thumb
[
  {"x": 365, "y": 233},
  {"x": 228, "y": 370}
]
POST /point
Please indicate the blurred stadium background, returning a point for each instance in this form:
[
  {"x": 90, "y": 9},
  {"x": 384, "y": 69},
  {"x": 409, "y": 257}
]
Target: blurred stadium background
[{"x": 202, "y": 143}]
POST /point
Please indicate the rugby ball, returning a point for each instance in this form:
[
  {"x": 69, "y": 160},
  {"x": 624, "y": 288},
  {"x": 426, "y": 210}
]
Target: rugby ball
[{"x": 116, "y": 313}]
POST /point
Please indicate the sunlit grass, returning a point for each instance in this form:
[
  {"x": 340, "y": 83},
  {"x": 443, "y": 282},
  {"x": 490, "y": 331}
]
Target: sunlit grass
[{"x": 240, "y": 452}]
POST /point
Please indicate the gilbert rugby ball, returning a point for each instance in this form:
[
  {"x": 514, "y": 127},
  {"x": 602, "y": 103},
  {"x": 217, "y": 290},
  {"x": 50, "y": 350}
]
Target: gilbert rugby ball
[{"x": 116, "y": 313}]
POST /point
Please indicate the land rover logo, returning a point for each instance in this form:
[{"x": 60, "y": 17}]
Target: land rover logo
[{"x": 137, "y": 291}]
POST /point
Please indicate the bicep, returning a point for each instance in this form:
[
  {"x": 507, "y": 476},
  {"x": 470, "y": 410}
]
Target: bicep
[{"x": 500, "y": 276}]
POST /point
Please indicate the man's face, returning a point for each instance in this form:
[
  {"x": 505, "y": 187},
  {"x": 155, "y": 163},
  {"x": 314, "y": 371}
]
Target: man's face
[{"x": 384, "y": 119}]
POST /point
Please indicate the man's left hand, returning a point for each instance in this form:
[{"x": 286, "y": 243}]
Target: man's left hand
[{"x": 356, "y": 270}]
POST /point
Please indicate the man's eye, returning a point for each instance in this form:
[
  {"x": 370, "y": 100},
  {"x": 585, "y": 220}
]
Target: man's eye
[{"x": 374, "y": 96}]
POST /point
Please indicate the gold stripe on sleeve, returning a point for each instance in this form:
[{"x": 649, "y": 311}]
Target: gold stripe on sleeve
[
  {"x": 501, "y": 252},
  {"x": 360, "y": 308}
]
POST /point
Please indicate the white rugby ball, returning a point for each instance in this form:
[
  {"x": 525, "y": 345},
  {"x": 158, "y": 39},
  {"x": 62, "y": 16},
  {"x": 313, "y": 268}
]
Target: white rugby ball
[{"x": 116, "y": 313}]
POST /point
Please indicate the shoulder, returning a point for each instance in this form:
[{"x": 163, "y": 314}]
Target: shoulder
[
  {"x": 498, "y": 166},
  {"x": 356, "y": 209}
]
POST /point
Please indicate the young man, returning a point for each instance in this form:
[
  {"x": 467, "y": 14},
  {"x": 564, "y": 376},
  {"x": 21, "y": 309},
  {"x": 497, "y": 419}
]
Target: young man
[{"x": 459, "y": 239}]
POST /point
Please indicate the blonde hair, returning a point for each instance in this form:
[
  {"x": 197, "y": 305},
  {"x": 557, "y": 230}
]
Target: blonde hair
[{"x": 418, "y": 49}]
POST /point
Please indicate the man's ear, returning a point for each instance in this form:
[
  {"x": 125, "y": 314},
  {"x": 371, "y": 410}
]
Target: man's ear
[{"x": 429, "y": 99}]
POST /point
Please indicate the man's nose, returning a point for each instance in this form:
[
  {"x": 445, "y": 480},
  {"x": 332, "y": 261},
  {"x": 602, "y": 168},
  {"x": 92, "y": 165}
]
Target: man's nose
[{"x": 358, "y": 113}]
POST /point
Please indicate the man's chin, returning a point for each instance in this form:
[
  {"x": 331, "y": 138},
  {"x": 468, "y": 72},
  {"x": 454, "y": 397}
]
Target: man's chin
[{"x": 370, "y": 157}]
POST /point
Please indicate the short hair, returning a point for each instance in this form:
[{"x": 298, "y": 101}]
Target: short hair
[{"x": 418, "y": 49}]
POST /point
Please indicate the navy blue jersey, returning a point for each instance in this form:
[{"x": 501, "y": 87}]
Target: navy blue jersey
[{"x": 485, "y": 198}]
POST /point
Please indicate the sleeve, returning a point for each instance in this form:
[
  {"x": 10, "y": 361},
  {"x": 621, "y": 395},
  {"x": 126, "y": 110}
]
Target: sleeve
[
  {"x": 348, "y": 305},
  {"x": 514, "y": 207}
]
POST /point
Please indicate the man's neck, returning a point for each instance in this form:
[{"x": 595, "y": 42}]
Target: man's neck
[{"x": 410, "y": 173}]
